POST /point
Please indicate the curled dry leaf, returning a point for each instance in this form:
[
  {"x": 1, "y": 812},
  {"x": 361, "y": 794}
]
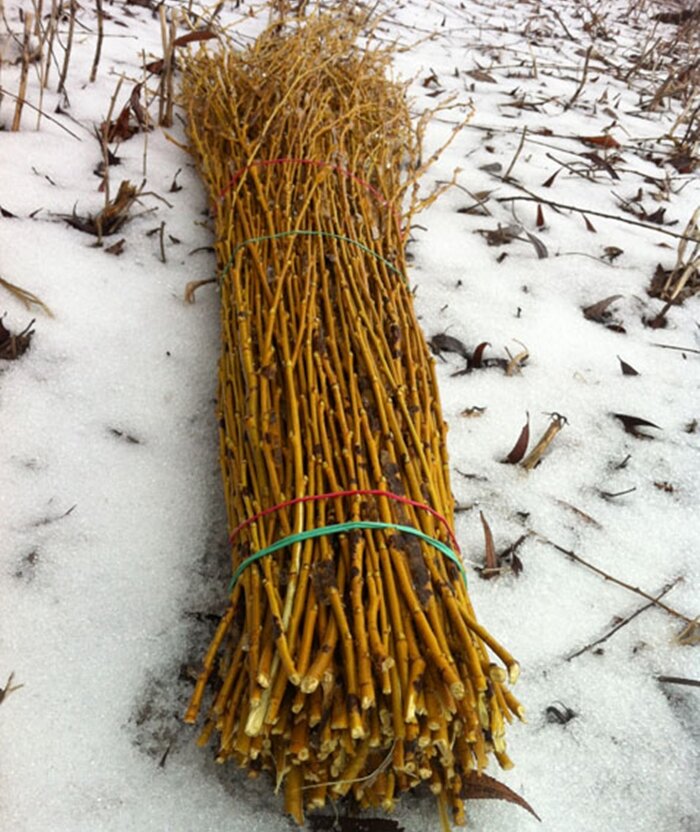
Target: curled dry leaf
[
  {"x": 510, "y": 556},
  {"x": 520, "y": 446},
  {"x": 192, "y": 287},
  {"x": 559, "y": 713},
  {"x": 122, "y": 128},
  {"x": 111, "y": 218},
  {"x": 598, "y": 312},
  {"x": 632, "y": 424},
  {"x": 12, "y": 346},
  {"x": 516, "y": 361},
  {"x": 482, "y": 787},
  {"x": 156, "y": 67},
  {"x": 442, "y": 342},
  {"x": 490, "y": 569},
  {"x": 194, "y": 37},
  {"x": 475, "y": 360},
  {"x": 473, "y": 412},
  {"x": 25, "y": 297},
  {"x": 611, "y": 253},
  {"x": 539, "y": 246},
  {"x": 549, "y": 182},
  {"x": 140, "y": 113}
]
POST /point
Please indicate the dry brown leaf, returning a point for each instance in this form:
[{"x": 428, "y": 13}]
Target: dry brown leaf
[
  {"x": 482, "y": 787},
  {"x": 520, "y": 446},
  {"x": 193, "y": 37},
  {"x": 589, "y": 224},
  {"x": 121, "y": 129},
  {"x": 632, "y": 424},
  {"x": 473, "y": 412},
  {"x": 474, "y": 361},
  {"x": 157, "y": 66},
  {"x": 582, "y": 514},
  {"x": 627, "y": 369},
  {"x": 13, "y": 346},
  {"x": 539, "y": 222},
  {"x": 113, "y": 215},
  {"x": 600, "y": 141},
  {"x": 490, "y": 557},
  {"x": 549, "y": 182},
  {"x": 598, "y": 312},
  {"x": 117, "y": 248},
  {"x": 442, "y": 342},
  {"x": 481, "y": 75},
  {"x": 501, "y": 236},
  {"x": 601, "y": 164},
  {"x": 192, "y": 287}
]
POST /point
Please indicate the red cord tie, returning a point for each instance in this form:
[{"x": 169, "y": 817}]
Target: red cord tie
[{"x": 368, "y": 492}]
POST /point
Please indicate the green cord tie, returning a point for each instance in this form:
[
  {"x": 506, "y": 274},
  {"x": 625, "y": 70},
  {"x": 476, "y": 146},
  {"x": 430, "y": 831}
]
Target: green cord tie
[
  {"x": 312, "y": 233},
  {"x": 340, "y": 528}
]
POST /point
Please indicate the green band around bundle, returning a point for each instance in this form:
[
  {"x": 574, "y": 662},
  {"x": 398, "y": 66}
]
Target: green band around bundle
[
  {"x": 312, "y": 233},
  {"x": 341, "y": 528}
]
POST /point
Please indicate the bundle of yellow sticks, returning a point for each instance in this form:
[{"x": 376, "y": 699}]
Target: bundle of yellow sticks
[{"x": 349, "y": 660}]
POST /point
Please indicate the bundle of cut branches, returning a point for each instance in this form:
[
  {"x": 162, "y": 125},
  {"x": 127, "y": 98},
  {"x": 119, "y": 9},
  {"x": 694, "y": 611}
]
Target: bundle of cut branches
[{"x": 349, "y": 660}]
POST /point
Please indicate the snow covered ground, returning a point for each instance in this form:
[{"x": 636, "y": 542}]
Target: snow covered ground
[{"x": 113, "y": 559}]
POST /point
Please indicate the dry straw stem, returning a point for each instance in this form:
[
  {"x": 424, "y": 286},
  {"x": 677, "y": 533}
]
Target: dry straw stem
[
  {"x": 556, "y": 423},
  {"x": 100, "y": 38},
  {"x": 687, "y": 270},
  {"x": 335, "y": 652},
  {"x": 73, "y": 9},
  {"x": 24, "y": 72},
  {"x": 26, "y": 298}
]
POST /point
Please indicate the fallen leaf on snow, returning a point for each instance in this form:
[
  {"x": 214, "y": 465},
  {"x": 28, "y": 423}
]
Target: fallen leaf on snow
[
  {"x": 12, "y": 346},
  {"x": 482, "y": 787},
  {"x": 598, "y": 312},
  {"x": 600, "y": 141},
  {"x": 627, "y": 369},
  {"x": 442, "y": 342},
  {"x": 481, "y": 75},
  {"x": 490, "y": 569},
  {"x": 632, "y": 424},
  {"x": 518, "y": 451}
]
